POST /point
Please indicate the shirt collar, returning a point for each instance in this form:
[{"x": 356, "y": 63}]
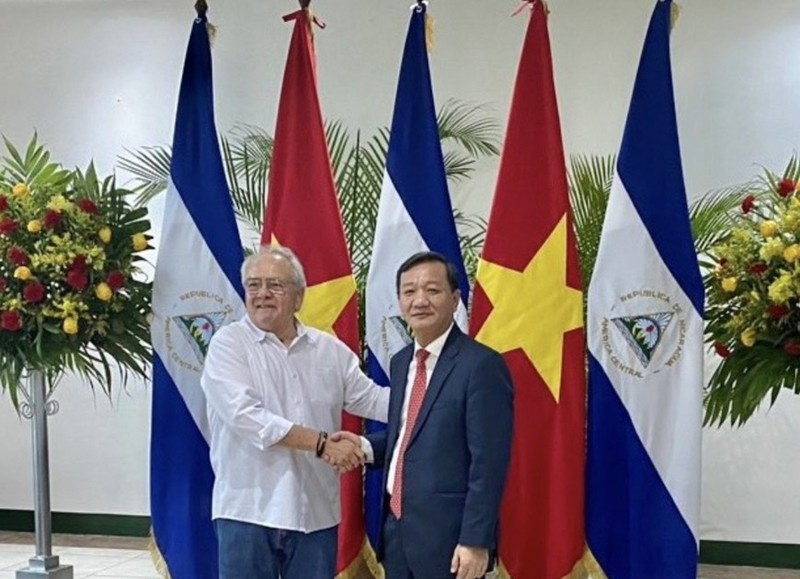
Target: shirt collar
[
  {"x": 260, "y": 335},
  {"x": 435, "y": 348}
]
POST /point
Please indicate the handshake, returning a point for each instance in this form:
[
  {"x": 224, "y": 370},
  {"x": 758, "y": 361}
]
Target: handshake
[{"x": 343, "y": 451}]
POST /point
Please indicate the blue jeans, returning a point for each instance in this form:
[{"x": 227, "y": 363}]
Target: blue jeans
[{"x": 248, "y": 551}]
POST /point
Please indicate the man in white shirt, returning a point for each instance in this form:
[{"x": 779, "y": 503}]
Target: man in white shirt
[{"x": 274, "y": 388}]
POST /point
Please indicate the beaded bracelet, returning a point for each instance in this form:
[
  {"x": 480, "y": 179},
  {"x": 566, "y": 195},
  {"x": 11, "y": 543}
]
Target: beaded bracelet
[{"x": 321, "y": 440}]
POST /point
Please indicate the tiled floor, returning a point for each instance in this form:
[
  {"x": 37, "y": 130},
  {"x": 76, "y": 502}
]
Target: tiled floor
[
  {"x": 89, "y": 556},
  {"x": 124, "y": 558}
]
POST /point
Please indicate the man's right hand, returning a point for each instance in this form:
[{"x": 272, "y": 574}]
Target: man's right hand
[{"x": 343, "y": 451}]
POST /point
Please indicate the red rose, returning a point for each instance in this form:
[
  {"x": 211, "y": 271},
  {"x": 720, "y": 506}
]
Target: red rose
[
  {"x": 7, "y": 225},
  {"x": 777, "y": 312},
  {"x": 115, "y": 280},
  {"x": 721, "y": 350},
  {"x": 87, "y": 206},
  {"x": 3, "y": 203},
  {"x": 792, "y": 348},
  {"x": 16, "y": 255},
  {"x": 52, "y": 219},
  {"x": 786, "y": 187},
  {"x": 33, "y": 292},
  {"x": 79, "y": 263},
  {"x": 77, "y": 280},
  {"x": 757, "y": 268},
  {"x": 10, "y": 321},
  {"x": 748, "y": 203}
]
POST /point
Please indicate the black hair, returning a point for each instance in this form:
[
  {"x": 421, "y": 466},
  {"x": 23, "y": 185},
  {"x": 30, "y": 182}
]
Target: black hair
[{"x": 429, "y": 257}]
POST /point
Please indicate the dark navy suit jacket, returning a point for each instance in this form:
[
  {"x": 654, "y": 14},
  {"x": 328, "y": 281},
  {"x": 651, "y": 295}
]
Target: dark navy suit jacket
[{"x": 457, "y": 457}]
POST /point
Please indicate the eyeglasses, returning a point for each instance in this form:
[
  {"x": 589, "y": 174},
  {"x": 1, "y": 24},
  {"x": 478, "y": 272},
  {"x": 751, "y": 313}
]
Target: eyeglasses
[{"x": 277, "y": 287}]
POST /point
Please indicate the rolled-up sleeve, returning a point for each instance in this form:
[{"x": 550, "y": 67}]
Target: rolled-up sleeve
[{"x": 232, "y": 398}]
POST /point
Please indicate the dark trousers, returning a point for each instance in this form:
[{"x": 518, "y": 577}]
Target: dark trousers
[{"x": 394, "y": 561}]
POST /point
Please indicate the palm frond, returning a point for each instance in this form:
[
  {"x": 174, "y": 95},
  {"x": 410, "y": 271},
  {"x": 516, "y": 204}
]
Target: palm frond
[
  {"x": 150, "y": 168},
  {"x": 472, "y": 127},
  {"x": 589, "y": 181},
  {"x": 711, "y": 214}
]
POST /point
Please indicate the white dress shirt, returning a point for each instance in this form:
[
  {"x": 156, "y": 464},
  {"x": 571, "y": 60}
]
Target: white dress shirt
[
  {"x": 256, "y": 389},
  {"x": 435, "y": 350}
]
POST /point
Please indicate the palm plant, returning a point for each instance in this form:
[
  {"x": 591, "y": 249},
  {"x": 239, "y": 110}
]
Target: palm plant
[{"x": 468, "y": 133}]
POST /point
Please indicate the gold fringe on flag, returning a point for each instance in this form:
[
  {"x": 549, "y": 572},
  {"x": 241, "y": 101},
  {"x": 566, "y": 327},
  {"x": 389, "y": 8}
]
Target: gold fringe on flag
[
  {"x": 211, "y": 29},
  {"x": 371, "y": 561},
  {"x": 363, "y": 566},
  {"x": 430, "y": 32},
  {"x": 674, "y": 14},
  {"x": 585, "y": 568},
  {"x": 156, "y": 557},
  {"x": 592, "y": 566}
]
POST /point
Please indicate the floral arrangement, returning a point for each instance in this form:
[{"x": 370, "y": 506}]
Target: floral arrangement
[
  {"x": 753, "y": 300},
  {"x": 72, "y": 297}
]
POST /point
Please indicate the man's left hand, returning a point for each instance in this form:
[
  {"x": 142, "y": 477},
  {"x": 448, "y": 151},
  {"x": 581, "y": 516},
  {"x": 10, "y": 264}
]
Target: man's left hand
[{"x": 469, "y": 562}]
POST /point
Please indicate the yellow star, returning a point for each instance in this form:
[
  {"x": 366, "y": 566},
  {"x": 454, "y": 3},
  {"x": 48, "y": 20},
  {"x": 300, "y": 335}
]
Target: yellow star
[
  {"x": 533, "y": 309},
  {"x": 324, "y": 302}
]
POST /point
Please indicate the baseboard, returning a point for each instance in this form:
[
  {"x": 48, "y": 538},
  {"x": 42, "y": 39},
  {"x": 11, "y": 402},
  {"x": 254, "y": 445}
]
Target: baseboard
[
  {"x": 777, "y": 555},
  {"x": 79, "y": 523}
]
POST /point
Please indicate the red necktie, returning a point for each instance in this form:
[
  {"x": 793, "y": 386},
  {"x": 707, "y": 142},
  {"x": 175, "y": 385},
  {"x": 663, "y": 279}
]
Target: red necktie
[{"x": 414, "y": 404}]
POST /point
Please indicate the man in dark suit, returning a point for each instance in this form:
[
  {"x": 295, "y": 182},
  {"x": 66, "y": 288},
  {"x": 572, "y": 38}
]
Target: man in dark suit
[{"x": 448, "y": 439}]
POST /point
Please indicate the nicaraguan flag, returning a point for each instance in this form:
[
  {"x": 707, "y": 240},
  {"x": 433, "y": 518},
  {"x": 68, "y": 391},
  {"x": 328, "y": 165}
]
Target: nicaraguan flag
[
  {"x": 414, "y": 214},
  {"x": 195, "y": 291},
  {"x": 645, "y": 337}
]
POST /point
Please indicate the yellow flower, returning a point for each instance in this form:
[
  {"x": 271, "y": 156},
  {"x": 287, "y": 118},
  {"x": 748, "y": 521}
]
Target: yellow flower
[
  {"x": 748, "y": 337},
  {"x": 771, "y": 249},
  {"x": 781, "y": 290},
  {"x": 769, "y": 228},
  {"x": 59, "y": 203},
  {"x": 34, "y": 226},
  {"x": 729, "y": 284},
  {"x": 22, "y": 273},
  {"x": 70, "y": 326},
  {"x": 104, "y": 234},
  {"x": 20, "y": 190},
  {"x": 791, "y": 253},
  {"x": 139, "y": 242},
  {"x": 103, "y": 292}
]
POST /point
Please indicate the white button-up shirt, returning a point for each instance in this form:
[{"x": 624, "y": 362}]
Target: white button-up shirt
[{"x": 256, "y": 389}]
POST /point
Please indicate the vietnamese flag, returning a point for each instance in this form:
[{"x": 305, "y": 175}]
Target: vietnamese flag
[
  {"x": 528, "y": 306},
  {"x": 302, "y": 213}
]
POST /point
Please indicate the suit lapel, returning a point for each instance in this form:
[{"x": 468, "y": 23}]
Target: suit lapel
[{"x": 445, "y": 365}]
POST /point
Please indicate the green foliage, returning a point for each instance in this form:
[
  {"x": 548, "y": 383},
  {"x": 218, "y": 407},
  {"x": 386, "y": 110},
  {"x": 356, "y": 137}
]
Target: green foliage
[
  {"x": 589, "y": 181},
  {"x": 70, "y": 295},
  {"x": 753, "y": 292}
]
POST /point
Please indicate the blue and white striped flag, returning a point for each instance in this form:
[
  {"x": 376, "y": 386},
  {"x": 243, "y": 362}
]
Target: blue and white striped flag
[
  {"x": 645, "y": 334},
  {"x": 414, "y": 214},
  {"x": 195, "y": 291}
]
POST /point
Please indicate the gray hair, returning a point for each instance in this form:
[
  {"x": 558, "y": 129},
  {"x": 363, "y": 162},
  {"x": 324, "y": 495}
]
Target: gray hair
[{"x": 279, "y": 252}]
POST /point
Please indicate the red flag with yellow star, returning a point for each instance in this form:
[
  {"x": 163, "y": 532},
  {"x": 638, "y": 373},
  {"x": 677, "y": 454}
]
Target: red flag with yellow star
[
  {"x": 528, "y": 306},
  {"x": 303, "y": 214}
]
